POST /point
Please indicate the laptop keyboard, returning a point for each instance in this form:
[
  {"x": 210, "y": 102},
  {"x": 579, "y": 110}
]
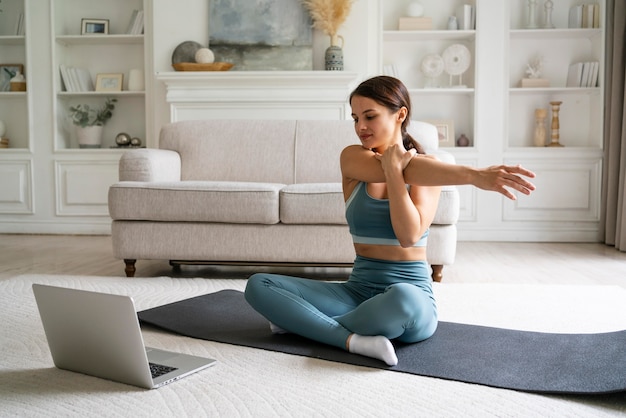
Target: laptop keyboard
[{"x": 159, "y": 369}]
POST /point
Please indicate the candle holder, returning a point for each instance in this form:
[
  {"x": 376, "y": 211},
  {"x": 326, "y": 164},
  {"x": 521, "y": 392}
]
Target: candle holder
[
  {"x": 531, "y": 22},
  {"x": 554, "y": 137},
  {"x": 540, "y": 127}
]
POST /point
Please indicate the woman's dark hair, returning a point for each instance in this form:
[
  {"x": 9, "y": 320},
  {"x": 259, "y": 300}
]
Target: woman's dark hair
[{"x": 392, "y": 94}]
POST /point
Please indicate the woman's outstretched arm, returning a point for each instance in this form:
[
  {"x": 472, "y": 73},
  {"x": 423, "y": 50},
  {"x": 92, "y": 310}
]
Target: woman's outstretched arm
[{"x": 361, "y": 164}]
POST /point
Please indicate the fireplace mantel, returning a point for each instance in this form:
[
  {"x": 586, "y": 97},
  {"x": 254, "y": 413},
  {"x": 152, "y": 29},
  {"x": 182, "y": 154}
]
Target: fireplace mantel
[{"x": 258, "y": 94}]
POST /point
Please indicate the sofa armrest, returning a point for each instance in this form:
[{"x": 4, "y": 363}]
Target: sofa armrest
[
  {"x": 150, "y": 165},
  {"x": 444, "y": 156}
]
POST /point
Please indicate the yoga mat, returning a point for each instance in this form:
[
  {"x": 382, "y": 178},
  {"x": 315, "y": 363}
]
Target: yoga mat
[{"x": 520, "y": 360}]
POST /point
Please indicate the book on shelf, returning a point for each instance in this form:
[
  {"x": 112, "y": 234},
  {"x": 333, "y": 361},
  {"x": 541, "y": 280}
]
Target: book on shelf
[
  {"x": 135, "y": 24},
  {"x": 583, "y": 74},
  {"x": 76, "y": 79},
  {"x": 19, "y": 25},
  {"x": 466, "y": 17},
  {"x": 390, "y": 70},
  {"x": 584, "y": 16}
]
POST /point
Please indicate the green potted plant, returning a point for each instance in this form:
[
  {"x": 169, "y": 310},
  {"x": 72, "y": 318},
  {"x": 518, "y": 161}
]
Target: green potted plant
[{"x": 89, "y": 122}]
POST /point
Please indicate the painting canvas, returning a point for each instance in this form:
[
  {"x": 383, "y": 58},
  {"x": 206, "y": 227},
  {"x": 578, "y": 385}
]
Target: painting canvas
[{"x": 261, "y": 35}]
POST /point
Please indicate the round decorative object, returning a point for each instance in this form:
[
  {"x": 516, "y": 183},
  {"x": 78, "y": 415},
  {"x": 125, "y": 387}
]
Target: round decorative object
[
  {"x": 122, "y": 139},
  {"x": 185, "y": 52},
  {"x": 463, "y": 141},
  {"x": 415, "y": 9},
  {"x": 457, "y": 59},
  {"x": 135, "y": 142},
  {"x": 432, "y": 65},
  {"x": 204, "y": 56}
]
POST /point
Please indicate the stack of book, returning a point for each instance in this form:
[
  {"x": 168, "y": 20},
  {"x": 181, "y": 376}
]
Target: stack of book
[
  {"x": 466, "y": 17},
  {"x": 583, "y": 74},
  {"x": 135, "y": 25},
  {"x": 75, "y": 79},
  {"x": 584, "y": 16}
]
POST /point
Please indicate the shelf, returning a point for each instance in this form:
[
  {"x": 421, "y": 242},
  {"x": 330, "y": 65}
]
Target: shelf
[
  {"x": 442, "y": 90},
  {"x": 544, "y": 34},
  {"x": 423, "y": 35},
  {"x": 553, "y": 90},
  {"x": 12, "y": 40},
  {"x": 554, "y": 152},
  {"x": 12, "y": 94},
  {"x": 99, "y": 39},
  {"x": 124, "y": 93}
]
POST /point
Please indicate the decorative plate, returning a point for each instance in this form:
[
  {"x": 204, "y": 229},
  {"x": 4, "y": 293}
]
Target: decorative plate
[
  {"x": 457, "y": 59},
  {"x": 432, "y": 65}
]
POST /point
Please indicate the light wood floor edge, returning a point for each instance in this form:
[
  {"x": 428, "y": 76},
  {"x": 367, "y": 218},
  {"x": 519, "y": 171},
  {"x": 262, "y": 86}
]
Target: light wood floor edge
[{"x": 476, "y": 262}]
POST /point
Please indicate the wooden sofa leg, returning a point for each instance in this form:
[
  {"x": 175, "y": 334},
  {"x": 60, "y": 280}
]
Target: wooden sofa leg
[
  {"x": 130, "y": 267},
  {"x": 437, "y": 272}
]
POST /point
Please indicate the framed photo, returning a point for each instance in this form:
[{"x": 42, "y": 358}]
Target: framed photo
[
  {"x": 445, "y": 128},
  {"x": 109, "y": 82},
  {"x": 94, "y": 26},
  {"x": 7, "y": 72}
]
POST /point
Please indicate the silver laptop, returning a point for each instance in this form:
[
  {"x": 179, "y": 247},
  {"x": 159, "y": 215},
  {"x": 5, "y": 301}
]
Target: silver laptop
[{"x": 98, "y": 334}]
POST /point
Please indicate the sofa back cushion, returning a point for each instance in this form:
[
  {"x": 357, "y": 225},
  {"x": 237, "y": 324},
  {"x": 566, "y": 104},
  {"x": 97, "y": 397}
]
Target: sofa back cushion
[
  {"x": 233, "y": 150},
  {"x": 318, "y": 147}
]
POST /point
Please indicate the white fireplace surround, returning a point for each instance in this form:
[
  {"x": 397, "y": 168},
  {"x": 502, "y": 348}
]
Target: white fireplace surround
[{"x": 258, "y": 94}]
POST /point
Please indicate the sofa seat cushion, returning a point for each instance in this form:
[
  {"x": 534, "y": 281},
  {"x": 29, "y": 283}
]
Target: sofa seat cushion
[
  {"x": 195, "y": 201},
  {"x": 312, "y": 203}
]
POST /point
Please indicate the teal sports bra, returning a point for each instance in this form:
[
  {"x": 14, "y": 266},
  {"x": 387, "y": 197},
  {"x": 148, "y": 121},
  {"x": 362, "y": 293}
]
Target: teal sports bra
[{"x": 370, "y": 221}]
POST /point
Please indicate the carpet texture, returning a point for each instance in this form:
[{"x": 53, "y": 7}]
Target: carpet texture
[
  {"x": 511, "y": 359},
  {"x": 248, "y": 382}
]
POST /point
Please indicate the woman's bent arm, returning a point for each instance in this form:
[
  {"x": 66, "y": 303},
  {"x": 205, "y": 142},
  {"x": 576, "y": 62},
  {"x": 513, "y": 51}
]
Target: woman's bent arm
[{"x": 362, "y": 164}]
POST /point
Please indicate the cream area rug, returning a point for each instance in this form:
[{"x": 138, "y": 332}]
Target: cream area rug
[{"x": 256, "y": 383}]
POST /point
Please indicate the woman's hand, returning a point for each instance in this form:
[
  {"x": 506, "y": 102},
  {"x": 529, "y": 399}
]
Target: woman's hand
[
  {"x": 395, "y": 158},
  {"x": 498, "y": 177}
]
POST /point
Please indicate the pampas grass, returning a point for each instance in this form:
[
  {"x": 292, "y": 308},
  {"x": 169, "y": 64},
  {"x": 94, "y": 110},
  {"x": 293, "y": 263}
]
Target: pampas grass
[{"x": 328, "y": 15}]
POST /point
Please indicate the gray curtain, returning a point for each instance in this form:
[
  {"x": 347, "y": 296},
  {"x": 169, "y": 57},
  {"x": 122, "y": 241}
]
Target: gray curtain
[{"x": 613, "y": 220}]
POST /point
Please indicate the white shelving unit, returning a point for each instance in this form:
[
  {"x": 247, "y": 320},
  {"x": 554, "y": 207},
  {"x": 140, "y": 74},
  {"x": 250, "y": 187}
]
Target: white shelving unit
[
  {"x": 13, "y": 105},
  {"x": 115, "y": 52},
  {"x": 498, "y": 115},
  {"x": 405, "y": 50}
]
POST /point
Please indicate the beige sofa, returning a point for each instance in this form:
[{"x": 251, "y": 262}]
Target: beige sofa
[{"x": 250, "y": 192}]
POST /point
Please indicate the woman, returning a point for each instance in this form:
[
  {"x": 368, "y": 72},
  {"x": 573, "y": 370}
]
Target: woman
[{"x": 391, "y": 190}]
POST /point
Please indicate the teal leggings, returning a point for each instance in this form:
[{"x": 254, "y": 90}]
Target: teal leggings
[{"x": 388, "y": 298}]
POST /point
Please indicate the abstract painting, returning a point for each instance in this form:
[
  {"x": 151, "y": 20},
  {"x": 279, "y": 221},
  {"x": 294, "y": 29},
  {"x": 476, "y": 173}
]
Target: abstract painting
[{"x": 261, "y": 35}]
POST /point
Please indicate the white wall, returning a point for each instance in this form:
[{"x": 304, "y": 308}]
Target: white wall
[{"x": 176, "y": 22}]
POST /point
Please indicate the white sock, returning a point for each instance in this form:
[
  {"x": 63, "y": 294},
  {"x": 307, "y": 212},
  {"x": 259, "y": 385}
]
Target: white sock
[
  {"x": 377, "y": 346},
  {"x": 277, "y": 330}
]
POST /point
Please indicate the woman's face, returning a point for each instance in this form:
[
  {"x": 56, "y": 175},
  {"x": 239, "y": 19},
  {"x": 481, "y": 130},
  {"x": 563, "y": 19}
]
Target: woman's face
[{"x": 376, "y": 126}]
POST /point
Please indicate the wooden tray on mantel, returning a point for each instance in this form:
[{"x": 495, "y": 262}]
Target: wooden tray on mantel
[{"x": 194, "y": 66}]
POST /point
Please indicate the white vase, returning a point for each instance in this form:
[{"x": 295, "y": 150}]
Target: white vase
[
  {"x": 135, "y": 80},
  {"x": 89, "y": 136}
]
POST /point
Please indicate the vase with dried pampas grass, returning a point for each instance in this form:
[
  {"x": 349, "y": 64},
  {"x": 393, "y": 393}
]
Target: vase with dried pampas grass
[{"x": 328, "y": 16}]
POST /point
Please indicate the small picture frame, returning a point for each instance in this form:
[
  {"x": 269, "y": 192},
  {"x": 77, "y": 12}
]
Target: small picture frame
[
  {"x": 7, "y": 72},
  {"x": 445, "y": 129},
  {"x": 109, "y": 82},
  {"x": 94, "y": 27}
]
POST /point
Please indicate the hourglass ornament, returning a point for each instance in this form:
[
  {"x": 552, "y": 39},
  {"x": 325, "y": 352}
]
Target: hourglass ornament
[{"x": 554, "y": 139}]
